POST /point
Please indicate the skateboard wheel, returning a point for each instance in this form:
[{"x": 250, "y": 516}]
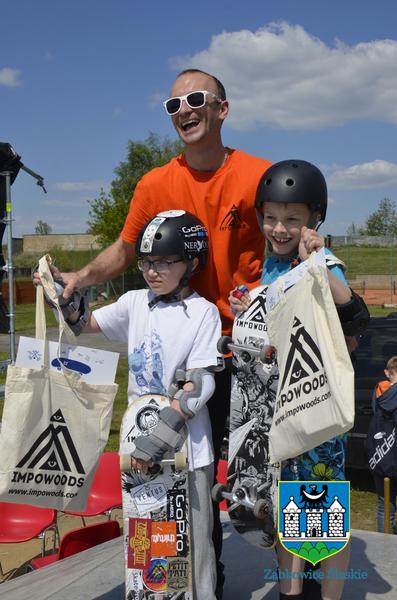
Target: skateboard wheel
[
  {"x": 267, "y": 354},
  {"x": 125, "y": 463},
  {"x": 261, "y": 509},
  {"x": 217, "y": 492},
  {"x": 180, "y": 461},
  {"x": 223, "y": 344}
]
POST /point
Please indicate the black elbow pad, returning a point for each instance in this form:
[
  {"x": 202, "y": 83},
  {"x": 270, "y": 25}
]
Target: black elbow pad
[{"x": 353, "y": 315}]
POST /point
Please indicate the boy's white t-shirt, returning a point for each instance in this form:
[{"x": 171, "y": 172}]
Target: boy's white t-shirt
[{"x": 161, "y": 340}]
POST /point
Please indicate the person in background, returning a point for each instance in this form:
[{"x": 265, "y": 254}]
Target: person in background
[{"x": 385, "y": 397}]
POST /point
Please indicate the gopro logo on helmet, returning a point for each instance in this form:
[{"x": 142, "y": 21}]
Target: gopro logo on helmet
[{"x": 194, "y": 229}]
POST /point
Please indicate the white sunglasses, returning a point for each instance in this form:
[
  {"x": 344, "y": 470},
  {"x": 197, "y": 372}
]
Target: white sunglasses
[{"x": 193, "y": 99}]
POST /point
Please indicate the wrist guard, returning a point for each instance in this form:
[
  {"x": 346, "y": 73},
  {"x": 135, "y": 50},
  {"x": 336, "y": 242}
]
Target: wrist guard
[
  {"x": 83, "y": 309},
  {"x": 168, "y": 435},
  {"x": 353, "y": 315},
  {"x": 77, "y": 302}
]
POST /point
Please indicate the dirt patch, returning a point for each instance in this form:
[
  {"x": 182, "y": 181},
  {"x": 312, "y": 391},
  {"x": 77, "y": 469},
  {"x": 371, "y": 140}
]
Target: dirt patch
[
  {"x": 377, "y": 297},
  {"x": 15, "y": 557}
]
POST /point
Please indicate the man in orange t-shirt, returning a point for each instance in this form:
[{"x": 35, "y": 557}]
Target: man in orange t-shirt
[
  {"x": 223, "y": 201},
  {"x": 217, "y": 184}
]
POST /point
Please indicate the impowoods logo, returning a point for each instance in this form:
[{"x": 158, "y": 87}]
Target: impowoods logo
[
  {"x": 52, "y": 455},
  {"x": 232, "y": 220},
  {"x": 254, "y": 318},
  {"x": 304, "y": 369}
]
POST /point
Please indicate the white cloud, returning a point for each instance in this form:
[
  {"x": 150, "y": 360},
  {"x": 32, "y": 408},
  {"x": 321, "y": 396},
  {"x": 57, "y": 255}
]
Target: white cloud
[
  {"x": 80, "y": 186},
  {"x": 375, "y": 174},
  {"x": 10, "y": 77},
  {"x": 283, "y": 76}
]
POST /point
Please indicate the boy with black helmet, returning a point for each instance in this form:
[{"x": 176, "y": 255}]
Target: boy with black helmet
[
  {"x": 291, "y": 203},
  {"x": 170, "y": 329}
]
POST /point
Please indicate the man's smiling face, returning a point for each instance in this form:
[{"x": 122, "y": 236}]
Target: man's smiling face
[{"x": 197, "y": 125}]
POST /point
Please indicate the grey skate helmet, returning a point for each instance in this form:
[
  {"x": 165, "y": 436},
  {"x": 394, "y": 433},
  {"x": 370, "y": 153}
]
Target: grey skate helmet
[
  {"x": 174, "y": 232},
  {"x": 296, "y": 181}
]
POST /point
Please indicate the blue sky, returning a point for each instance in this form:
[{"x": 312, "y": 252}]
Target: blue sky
[{"x": 315, "y": 80}]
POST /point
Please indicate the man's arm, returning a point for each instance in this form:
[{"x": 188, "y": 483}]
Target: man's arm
[{"x": 110, "y": 263}]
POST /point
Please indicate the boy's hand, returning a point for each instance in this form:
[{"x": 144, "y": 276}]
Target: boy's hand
[
  {"x": 309, "y": 242},
  {"x": 239, "y": 300},
  {"x": 351, "y": 343},
  {"x": 141, "y": 465},
  {"x": 70, "y": 280}
]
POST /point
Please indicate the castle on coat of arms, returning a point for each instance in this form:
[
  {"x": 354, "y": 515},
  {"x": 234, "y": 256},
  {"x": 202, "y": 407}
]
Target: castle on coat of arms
[{"x": 314, "y": 507}]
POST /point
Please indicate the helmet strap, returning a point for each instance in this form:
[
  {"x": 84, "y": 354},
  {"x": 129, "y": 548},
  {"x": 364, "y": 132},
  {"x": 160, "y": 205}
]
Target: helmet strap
[{"x": 176, "y": 294}]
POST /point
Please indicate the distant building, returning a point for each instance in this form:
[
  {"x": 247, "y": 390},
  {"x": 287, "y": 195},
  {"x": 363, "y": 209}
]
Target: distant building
[
  {"x": 17, "y": 245},
  {"x": 35, "y": 242}
]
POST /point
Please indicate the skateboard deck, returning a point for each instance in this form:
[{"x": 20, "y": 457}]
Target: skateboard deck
[
  {"x": 155, "y": 512},
  {"x": 251, "y": 491}
]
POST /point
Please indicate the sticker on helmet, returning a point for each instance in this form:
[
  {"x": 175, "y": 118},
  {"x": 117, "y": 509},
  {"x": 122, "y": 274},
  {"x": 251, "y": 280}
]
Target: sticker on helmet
[
  {"x": 168, "y": 214},
  {"x": 150, "y": 232}
]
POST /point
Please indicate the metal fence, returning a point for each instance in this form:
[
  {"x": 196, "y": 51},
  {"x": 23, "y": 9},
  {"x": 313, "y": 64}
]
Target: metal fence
[{"x": 363, "y": 240}]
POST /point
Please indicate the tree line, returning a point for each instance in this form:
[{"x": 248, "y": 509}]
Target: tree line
[{"x": 108, "y": 212}]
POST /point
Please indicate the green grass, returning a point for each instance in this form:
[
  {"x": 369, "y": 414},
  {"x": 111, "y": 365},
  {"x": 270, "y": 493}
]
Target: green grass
[
  {"x": 119, "y": 406},
  {"x": 364, "y": 260},
  {"x": 379, "y": 311},
  {"x": 362, "y": 509},
  {"x": 25, "y": 317}
]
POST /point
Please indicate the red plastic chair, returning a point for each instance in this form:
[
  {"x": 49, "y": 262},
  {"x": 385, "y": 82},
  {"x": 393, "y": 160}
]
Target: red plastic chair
[
  {"x": 221, "y": 477},
  {"x": 22, "y": 522},
  {"x": 105, "y": 493},
  {"x": 78, "y": 540}
]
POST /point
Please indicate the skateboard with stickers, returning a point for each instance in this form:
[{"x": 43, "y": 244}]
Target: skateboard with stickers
[
  {"x": 251, "y": 489},
  {"x": 156, "y": 515}
]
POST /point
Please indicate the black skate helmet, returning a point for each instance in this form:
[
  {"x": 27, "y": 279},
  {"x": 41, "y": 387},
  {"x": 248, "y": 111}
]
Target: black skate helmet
[
  {"x": 174, "y": 232},
  {"x": 293, "y": 181}
]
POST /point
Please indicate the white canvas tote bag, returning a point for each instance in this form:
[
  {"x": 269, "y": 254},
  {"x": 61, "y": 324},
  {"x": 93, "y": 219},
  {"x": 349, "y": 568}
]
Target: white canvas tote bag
[
  {"x": 315, "y": 396},
  {"x": 54, "y": 428}
]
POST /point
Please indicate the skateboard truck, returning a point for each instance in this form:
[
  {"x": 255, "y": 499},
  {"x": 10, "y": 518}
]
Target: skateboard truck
[
  {"x": 179, "y": 461},
  {"x": 266, "y": 353},
  {"x": 240, "y": 497}
]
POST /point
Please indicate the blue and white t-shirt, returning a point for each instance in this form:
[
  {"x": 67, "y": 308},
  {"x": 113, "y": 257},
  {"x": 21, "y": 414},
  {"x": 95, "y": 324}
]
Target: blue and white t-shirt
[
  {"x": 161, "y": 340},
  {"x": 274, "y": 266}
]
